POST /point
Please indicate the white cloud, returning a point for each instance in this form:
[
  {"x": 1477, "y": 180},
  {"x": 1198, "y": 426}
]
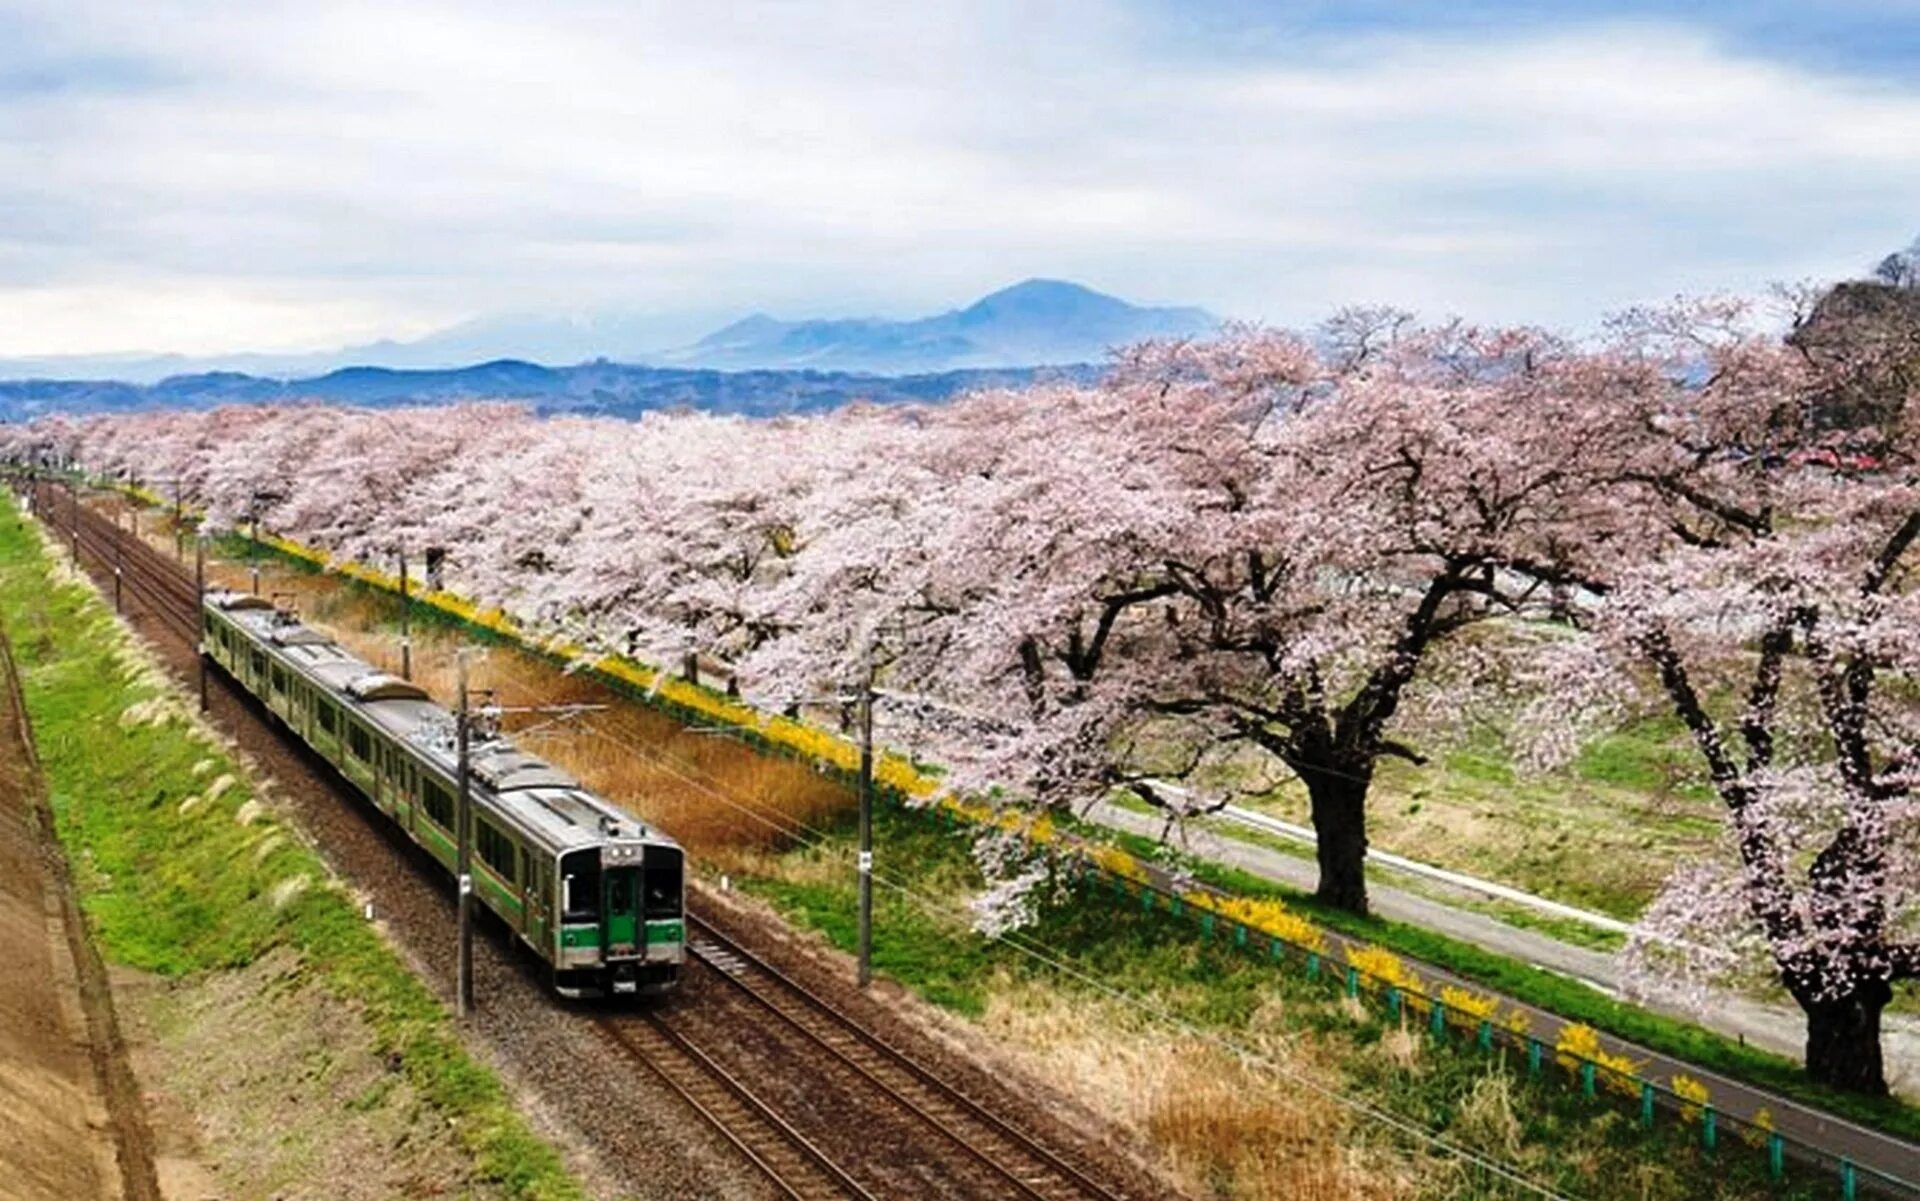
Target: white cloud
[{"x": 308, "y": 171}]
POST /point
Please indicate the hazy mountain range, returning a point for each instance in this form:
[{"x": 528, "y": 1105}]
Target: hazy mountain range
[
  {"x": 1031, "y": 324},
  {"x": 1040, "y": 321}
]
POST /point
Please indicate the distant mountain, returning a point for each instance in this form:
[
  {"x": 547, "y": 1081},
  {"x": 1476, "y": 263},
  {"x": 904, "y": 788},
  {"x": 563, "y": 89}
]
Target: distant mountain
[
  {"x": 599, "y": 387},
  {"x": 1040, "y": 321},
  {"x": 1037, "y": 323}
]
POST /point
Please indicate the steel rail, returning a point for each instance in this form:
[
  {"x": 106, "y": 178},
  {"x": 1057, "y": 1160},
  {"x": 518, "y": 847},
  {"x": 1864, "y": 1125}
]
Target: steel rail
[{"x": 1047, "y": 1177}]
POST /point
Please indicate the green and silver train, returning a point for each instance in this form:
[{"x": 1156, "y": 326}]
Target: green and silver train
[{"x": 595, "y": 893}]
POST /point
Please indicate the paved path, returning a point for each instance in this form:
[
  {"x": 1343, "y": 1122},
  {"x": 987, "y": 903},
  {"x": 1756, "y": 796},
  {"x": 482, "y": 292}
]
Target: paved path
[{"x": 1769, "y": 1027}]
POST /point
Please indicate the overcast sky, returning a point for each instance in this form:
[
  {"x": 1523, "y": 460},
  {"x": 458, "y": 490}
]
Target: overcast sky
[{"x": 207, "y": 177}]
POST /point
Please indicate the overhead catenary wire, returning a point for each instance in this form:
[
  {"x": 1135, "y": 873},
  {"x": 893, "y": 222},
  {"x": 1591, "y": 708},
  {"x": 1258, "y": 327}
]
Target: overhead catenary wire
[{"x": 1040, "y": 953}]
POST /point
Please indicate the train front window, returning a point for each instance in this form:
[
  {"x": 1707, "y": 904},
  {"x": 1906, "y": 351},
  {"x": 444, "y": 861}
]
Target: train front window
[
  {"x": 661, "y": 869},
  {"x": 620, "y": 894}
]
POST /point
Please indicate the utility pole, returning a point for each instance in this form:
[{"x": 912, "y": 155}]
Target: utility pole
[
  {"x": 462, "y": 722},
  {"x": 73, "y": 522},
  {"x": 200, "y": 589},
  {"x": 179, "y": 551},
  {"x": 253, "y": 551},
  {"x": 406, "y": 617},
  {"x": 119, "y": 562},
  {"x": 866, "y": 828}
]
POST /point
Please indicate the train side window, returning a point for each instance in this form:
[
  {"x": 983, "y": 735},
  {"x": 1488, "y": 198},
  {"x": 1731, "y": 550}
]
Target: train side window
[
  {"x": 496, "y": 850},
  {"x": 259, "y": 663},
  {"x": 359, "y": 742},
  {"x": 328, "y": 717},
  {"x": 439, "y": 803}
]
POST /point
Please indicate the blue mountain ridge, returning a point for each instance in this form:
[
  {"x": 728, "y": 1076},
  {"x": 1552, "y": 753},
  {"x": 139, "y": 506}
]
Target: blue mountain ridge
[
  {"x": 758, "y": 365},
  {"x": 600, "y": 388}
]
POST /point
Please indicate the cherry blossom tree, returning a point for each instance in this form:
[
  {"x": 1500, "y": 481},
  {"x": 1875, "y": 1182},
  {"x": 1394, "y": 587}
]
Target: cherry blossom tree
[{"x": 1766, "y": 585}]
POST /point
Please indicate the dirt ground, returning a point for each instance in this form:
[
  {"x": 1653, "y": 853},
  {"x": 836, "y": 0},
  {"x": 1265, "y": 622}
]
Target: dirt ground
[{"x": 68, "y": 1110}]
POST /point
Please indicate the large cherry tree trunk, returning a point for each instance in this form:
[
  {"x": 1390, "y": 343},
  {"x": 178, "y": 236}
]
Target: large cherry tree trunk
[
  {"x": 1843, "y": 1038},
  {"x": 1339, "y": 804}
]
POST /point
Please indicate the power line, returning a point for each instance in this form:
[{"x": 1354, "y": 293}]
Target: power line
[{"x": 1039, "y": 952}]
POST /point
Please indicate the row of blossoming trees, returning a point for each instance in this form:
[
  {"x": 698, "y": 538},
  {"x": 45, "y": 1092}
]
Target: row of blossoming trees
[{"x": 1239, "y": 559}]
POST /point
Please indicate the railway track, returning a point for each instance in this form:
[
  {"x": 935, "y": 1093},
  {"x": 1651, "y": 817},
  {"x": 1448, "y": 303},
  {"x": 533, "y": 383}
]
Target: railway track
[
  {"x": 1024, "y": 1166},
  {"x": 797, "y": 1167},
  {"x": 793, "y": 1163}
]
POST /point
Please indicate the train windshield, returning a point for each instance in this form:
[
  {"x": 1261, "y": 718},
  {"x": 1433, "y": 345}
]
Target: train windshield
[
  {"x": 580, "y": 885},
  {"x": 662, "y": 881}
]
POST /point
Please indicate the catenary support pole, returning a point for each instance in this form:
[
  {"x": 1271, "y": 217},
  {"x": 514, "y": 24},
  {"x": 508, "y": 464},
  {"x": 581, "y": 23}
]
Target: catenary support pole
[
  {"x": 406, "y": 626},
  {"x": 464, "y": 819},
  {"x": 200, "y": 590},
  {"x": 253, "y": 553},
  {"x": 866, "y": 829}
]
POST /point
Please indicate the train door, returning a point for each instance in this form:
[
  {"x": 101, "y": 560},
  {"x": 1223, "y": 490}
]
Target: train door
[{"x": 621, "y": 909}]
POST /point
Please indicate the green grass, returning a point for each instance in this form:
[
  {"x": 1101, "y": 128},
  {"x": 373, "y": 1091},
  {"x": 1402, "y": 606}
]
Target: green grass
[
  {"x": 180, "y": 893},
  {"x": 1109, "y": 945},
  {"x": 1649, "y": 757},
  {"x": 1569, "y": 999}
]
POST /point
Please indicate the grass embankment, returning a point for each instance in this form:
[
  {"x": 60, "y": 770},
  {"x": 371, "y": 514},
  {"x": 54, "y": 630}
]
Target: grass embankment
[
  {"x": 1229, "y": 1062},
  {"x": 183, "y": 870},
  {"x": 730, "y": 805},
  {"x": 1570, "y": 999}
]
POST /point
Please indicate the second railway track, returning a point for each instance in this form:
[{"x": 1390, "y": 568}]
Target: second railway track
[{"x": 1023, "y": 1165}]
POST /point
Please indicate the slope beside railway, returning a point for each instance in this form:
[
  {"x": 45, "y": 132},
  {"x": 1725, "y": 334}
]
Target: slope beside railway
[
  {"x": 1684, "y": 1194},
  {"x": 271, "y": 1033},
  {"x": 701, "y": 1096}
]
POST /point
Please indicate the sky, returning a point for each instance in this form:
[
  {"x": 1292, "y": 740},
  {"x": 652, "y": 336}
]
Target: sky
[{"x": 204, "y": 178}]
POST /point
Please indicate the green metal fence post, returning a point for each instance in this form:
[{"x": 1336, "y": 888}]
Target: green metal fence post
[
  {"x": 1393, "y": 1001},
  {"x": 1313, "y": 966},
  {"x": 1206, "y": 926},
  {"x": 1709, "y": 1128},
  {"x": 1533, "y": 1057},
  {"x": 1146, "y": 898},
  {"x": 1646, "y": 1104},
  {"x": 1174, "y": 904},
  {"x": 1486, "y": 1034},
  {"x": 1276, "y": 950},
  {"x": 1438, "y": 1024},
  {"x": 1353, "y": 981},
  {"x": 1849, "y": 1186},
  {"x": 1776, "y": 1157},
  {"x": 1239, "y": 935},
  {"x": 1586, "y": 1078}
]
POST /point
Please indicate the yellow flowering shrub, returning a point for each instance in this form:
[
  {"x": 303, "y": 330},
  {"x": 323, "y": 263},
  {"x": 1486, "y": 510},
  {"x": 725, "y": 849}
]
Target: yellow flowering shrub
[
  {"x": 1468, "y": 1007},
  {"x": 1380, "y": 967},
  {"x": 1119, "y": 862},
  {"x": 1693, "y": 1095},
  {"x": 1274, "y": 919},
  {"x": 1580, "y": 1042}
]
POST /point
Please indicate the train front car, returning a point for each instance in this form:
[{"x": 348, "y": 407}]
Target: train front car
[{"x": 623, "y": 914}]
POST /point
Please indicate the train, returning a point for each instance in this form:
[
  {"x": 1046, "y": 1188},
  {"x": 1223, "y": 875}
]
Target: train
[{"x": 596, "y": 894}]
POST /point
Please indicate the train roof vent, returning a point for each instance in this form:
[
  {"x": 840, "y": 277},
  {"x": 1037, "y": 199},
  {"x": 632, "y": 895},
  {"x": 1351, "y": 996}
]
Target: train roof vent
[
  {"x": 234, "y": 602},
  {"x": 509, "y": 768},
  {"x": 299, "y": 635},
  {"x": 379, "y": 686}
]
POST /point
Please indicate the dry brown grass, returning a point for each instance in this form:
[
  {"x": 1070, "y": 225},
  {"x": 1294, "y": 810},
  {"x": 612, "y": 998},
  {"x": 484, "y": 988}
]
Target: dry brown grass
[
  {"x": 1220, "y": 1128},
  {"x": 726, "y": 802}
]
